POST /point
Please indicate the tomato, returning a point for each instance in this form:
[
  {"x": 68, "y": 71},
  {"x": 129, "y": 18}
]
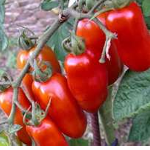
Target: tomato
[
  {"x": 6, "y": 104},
  {"x": 94, "y": 41},
  {"x": 87, "y": 80},
  {"x": 64, "y": 109},
  {"x": 46, "y": 54},
  {"x": 27, "y": 83},
  {"x": 46, "y": 134},
  {"x": 133, "y": 40}
]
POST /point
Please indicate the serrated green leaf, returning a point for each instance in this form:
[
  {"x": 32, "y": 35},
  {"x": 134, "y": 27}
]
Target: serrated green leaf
[
  {"x": 133, "y": 95},
  {"x": 4, "y": 140},
  {"x": 49, "y": 4},
  {"x": 78, "y": 142},
  {"x": 146, "y": 8},
  {"x": 140, "y": 130},
  {"x": 3, "y": 40},
  {"x": 2, "y": 13},
  {"x": 55, "y": 41}
]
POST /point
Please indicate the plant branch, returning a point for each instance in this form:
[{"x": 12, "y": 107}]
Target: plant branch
[
  {"x": 95, "y": 129},
  {"x": 13, "y": 110}
]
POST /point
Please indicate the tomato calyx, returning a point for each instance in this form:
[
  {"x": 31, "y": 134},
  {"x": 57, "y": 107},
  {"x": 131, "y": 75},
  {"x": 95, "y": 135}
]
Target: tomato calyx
[
  {"x": 42, "y": 70},
  {"x": 74, "y": 44},
  {"x": 37, "y": 114},
  {"x": 6, "y": 81},
  {"x": 25, "y": 42}
]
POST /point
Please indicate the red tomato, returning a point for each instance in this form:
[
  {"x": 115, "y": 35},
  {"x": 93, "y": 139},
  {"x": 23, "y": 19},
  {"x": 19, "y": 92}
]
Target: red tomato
[
  {"x": 46, "y": 54},
  {"x": 27, "y": 83},
  {"x": 133, "y": 41},
  {"x": 64, "y": 109},
  {"x": 87, "y": 80},
  {"x": 6, "y": 104},
  {"x": 94, "y": 41},
  {"x": 46, "y": 134}
]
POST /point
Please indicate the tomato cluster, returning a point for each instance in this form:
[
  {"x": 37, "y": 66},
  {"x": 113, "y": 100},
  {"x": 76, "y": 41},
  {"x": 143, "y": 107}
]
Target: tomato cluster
[{"x": 84, "y": 88}]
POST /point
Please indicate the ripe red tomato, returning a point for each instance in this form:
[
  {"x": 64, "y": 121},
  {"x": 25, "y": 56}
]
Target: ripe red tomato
[
  {"x": 46, "y": 134},
  {"x": 64, "y": 109},
  {"x": 87, "y": 80},
  {"x": 94, "y": 41},
  {"x": 27, "y": 83},
  {"x": 6, "y": 104},
  {"x": 46, "y": 54},
  {"x": 133, "y": 40}
]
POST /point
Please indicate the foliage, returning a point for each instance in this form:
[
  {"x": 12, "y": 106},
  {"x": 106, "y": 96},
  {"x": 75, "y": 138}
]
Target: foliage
[
  {"x": 3, "y": 38},
  {"x": 78, "y": 142}
]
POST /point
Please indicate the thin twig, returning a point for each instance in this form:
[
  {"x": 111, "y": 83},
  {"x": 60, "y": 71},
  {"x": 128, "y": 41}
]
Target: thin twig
[{"x": 98, "y": 4}]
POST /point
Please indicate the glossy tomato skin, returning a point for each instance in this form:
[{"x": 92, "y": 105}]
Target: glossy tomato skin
[
  {"x": 6, "y": 104},
  {"x": 133, "y": 38},
  {"x": 46, "y": 54},
  {"x": 46, "y": 134},
  {"x": 27, "y": 83},
  {"x": 94, "y": 40},
  {"x": 64, "y": 109},
  {"x": 87, "y": 80}
]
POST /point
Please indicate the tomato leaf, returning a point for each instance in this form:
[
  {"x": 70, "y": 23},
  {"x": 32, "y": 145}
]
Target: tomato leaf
[
  {"x": 78, "y": 142},
  {"x": 2, "y": 13},
  {"x": 3, "y": 40},
  {"x": 4, "y": 140},
  {"x": 140, "y": 130},
  {"x": 146, "y": 8},
  {"x": 133, "y": 95},
  {"x": 49, "y": 4},
  {"x": 56, "y": 40},
  {"x": 2, "y": 2}
]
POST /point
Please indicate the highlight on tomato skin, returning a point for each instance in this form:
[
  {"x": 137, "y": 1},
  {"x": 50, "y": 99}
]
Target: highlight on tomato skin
[
  {"x": 6, "y": 105},
  {"x": 46, "y": 134},
  {"x": 64, "y": 109}
]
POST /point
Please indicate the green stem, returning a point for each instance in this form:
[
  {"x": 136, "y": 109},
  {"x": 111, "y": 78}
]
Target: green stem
[
  {"x": 12, "y": 113},
  {"x": 107, "y": 44},
  {"x": 107, "y": 119}
]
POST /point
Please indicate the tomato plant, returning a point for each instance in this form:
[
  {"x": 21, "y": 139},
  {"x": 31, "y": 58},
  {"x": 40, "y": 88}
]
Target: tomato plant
[{"x": 76, "y": 76}]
